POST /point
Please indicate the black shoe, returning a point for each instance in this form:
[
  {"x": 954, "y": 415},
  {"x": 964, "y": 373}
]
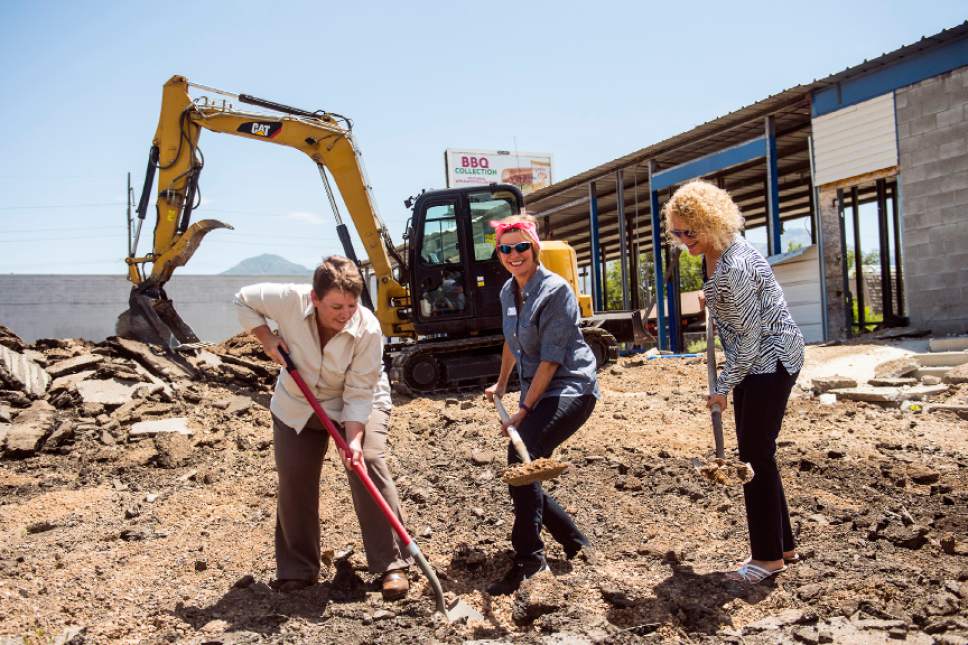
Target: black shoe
[{"x": 518, "y": 573}]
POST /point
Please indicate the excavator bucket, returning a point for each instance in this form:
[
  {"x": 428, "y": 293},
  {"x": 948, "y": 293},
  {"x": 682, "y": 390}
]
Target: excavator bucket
[{"x": 151, "y": 316}]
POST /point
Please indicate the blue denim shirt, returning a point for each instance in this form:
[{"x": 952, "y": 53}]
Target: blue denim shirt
[{"x": 546, "y": 329}]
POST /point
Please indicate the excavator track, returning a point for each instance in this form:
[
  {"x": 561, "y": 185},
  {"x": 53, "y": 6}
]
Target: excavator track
[{"x": 441, "y": 366}]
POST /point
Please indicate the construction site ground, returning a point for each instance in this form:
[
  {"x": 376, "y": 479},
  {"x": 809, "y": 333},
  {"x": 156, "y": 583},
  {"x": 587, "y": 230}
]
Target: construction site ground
[{"x": 108, "y": 536}]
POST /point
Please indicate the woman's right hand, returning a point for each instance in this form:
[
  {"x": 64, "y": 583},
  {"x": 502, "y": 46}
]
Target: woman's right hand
[
  {"x": 271, "y": 345},
  {"x": 495, "y": 390}
]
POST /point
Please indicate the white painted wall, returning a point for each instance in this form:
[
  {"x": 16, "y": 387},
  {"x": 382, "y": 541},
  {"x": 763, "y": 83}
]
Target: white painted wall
[
  {"x": 799, "y": 277},
  {"x": 855, "y": 140}
]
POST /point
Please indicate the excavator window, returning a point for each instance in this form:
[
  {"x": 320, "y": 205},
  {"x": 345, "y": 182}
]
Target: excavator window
[
  {"x": 441, "y": 244},
  {"x": 483, "y": 212}
]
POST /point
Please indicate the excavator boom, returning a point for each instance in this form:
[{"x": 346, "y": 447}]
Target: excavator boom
[{"x": 323, "y": 137}]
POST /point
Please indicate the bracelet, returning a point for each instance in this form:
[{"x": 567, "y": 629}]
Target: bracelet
[{"x": 527, "y": 408}]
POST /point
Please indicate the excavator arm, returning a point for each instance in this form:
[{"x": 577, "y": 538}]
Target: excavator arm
[{"x": 323, "y": 137}]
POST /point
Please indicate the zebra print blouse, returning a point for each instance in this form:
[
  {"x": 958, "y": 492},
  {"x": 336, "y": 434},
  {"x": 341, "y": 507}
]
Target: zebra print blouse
[{"x": 754, "y": 324}]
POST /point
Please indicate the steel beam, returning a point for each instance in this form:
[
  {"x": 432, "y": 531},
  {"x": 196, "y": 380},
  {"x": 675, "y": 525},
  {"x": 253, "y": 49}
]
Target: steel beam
[
  {"x": 622, "y": 245},
  {"x": 593, "y": 240},
  {"x": 773, "y": 225},
  {"x": 657, "y": 262}
]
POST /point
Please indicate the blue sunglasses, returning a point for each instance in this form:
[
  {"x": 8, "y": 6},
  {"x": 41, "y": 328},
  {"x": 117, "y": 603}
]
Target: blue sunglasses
[{"x": 520, "y": 247}]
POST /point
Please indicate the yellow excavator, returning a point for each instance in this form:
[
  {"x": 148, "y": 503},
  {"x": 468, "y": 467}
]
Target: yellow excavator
[{"x": 438, "y": 299}]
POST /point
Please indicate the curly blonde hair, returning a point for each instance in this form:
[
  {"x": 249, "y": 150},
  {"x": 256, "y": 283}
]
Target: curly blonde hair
[{"x": 706, "y": 209}]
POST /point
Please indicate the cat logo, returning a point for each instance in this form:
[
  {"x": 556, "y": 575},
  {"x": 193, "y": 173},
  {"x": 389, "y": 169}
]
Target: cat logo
[{"x": 266, "y": 129}]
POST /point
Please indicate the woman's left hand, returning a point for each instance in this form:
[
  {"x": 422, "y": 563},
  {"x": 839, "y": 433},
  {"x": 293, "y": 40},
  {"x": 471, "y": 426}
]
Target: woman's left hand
[
  {"x": 515, "y": 420},
  {"x": 354, "y": 438},
  {"x": 716, "y": 399}
]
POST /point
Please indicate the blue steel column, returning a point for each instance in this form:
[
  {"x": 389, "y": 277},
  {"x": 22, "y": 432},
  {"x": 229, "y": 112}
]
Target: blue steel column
[
  {"x": 674, "y": 298},
  {"x": 657, "y": 262},
  {"x": 772, "y": 190},
  {"x": 593, "y": 252}
]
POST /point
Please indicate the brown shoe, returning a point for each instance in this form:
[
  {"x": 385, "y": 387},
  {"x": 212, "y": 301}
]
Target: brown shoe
[{"x": 395, "y": 585}]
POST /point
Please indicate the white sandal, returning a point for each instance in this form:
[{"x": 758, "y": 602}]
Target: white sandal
[{"x": 753, "y": 574}]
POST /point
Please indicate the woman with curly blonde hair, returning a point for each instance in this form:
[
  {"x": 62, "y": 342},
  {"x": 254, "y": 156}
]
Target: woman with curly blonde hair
[{"x": 764, "y": 354}]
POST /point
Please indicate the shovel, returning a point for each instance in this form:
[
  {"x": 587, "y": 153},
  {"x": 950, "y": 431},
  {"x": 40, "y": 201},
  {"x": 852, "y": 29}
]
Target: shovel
[
  {"x": 459, "y": 609},
  {"x": 527, "y": 472},
  {"x": 719, "y": 471}
]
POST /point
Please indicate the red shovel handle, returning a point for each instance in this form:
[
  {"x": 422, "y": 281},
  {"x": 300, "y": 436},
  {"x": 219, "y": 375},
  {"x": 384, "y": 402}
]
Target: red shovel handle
[{"x": 359, "y": 469}]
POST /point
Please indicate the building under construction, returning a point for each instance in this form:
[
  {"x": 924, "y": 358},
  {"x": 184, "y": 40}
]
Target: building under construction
[{"x": 876, "y": 152}]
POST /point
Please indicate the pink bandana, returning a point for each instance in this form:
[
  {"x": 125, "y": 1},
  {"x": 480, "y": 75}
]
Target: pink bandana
[{"x": 528, "y": 228}]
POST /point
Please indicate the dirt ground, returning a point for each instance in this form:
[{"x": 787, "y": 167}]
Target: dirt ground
[{"x": 108, "y": 539}]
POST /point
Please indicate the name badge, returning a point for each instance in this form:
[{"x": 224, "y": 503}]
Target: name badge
[{"x": 512, "y": 311}]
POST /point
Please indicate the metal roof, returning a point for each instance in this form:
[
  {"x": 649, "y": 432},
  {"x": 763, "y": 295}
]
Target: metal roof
[{"x": 563, "y": 206}]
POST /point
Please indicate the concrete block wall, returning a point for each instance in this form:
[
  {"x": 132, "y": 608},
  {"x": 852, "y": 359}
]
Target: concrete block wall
[{"x": 932, "y": 123}]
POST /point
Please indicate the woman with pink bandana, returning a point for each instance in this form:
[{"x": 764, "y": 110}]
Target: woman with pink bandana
[{"x": 559, "y": 389}]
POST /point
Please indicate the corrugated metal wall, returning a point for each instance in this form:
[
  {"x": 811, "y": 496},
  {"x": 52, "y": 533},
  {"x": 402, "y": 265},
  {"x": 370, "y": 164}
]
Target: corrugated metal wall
[
  {"x": 799, "y": 277},
  {"x": 855, "y": 140}
]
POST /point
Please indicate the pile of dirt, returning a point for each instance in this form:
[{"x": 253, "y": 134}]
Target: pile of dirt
[{"x": 137, "y": 502}]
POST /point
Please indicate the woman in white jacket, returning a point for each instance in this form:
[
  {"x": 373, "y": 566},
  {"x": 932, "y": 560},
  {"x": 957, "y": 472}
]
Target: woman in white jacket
[{"x": 337, "y": 347}]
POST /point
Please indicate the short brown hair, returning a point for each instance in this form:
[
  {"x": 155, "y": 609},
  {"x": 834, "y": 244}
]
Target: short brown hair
[{"x": 337, "y": 272}]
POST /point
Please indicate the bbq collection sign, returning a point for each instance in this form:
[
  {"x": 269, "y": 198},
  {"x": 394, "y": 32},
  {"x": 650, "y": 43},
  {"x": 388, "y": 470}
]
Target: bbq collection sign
[{"x": 527, "y": 170}]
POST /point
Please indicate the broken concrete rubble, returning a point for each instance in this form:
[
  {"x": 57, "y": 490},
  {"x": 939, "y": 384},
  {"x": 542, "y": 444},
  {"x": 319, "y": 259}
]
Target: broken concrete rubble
[
  {"x": 827, "y": 383},
  {"x": 28, "y": 431},
  {"x": 20, "y": 372},
  {"x": 107, "y": 392},
  {"x": 889, "y": 394},
  {"x": 72, "y": 365},
  {"x": 150, "y": 428}
]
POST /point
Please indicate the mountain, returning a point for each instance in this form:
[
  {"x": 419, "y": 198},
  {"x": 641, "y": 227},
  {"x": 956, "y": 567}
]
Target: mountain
[{"x": 267, "y": 264}]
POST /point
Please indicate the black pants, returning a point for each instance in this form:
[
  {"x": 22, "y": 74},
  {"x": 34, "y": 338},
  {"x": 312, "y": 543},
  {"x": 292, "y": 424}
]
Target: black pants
[
  {"x": 759, "y": 403},
  {"x": 554, "y": 420}
]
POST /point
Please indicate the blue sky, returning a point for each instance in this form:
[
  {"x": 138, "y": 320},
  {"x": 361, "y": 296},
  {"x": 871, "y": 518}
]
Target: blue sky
[{"x": 586, "y": 82}]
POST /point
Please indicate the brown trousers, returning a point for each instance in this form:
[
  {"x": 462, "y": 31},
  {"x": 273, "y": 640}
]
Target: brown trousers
[{"x": 299, "y": 461}]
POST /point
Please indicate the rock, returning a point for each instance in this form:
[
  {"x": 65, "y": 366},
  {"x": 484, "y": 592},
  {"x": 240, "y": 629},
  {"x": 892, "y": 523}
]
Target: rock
[
  {"x": 201, "y": 565},
  {"x": 957, "y": 374},
  {"x": 889, "y": 394},
  {"x": 908, "y": 537},
  {"x": 893, "y": 382},
  {"x": 64, "y": 434},
  {"x": 942, "y": 603},
  {"x": 777, "y": 621},
  {"x": 174, "y": 449},
  {"x": 71, "y": 635},
  {"x": 827, "y": 399},
  {"x": 835, "y": 453},
  {"x": 107, "y": 391},
  {"x": 896, "y": 368},
  {"x": 238, "y": 405},
  {"x": 20, "y": 372},
  {"x": 382, "y": 614},
  {"x": 925, "y": 477},
  {"x": 929, "y": 379},
  {"x": 40, "y": 527},
  {"x": 617, "y": 598},
  {"x": 73, "y": 365},
  {"x": 481, "y": 458},
  {"x": 244, "y": 582},
  {"x": 953, "y": 546},
  {"x": 419, "y": 495},
  {"x": 26, "y": 434},
  {"x": 470, "y": 558},
  {"x": 177, "y": 425},
  {"x": 629, "y": 483},
  {"x": 538, "y": 595},
  {"x": 132, "y": 535},
  {"x": 466, "y": 405},
  {"x": 825, "y": 383},
  {"x": 157, "y": 365}
]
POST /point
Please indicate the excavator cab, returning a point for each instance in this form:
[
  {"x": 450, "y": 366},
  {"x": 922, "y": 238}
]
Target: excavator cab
[{"x": 455, "y": 275}]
